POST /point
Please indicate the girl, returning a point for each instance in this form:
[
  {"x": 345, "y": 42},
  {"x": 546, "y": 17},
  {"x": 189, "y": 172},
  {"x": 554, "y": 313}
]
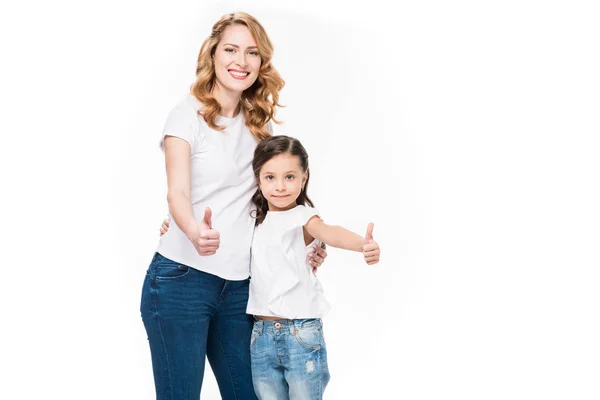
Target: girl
[{"x": 289, "y": 357}]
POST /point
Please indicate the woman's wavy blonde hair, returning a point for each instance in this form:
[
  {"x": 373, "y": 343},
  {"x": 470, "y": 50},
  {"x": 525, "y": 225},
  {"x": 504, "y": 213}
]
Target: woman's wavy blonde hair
[{"x": 258, "y": 102}]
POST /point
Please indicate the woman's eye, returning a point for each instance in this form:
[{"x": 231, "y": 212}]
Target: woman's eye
[
  {"x": 253, "y": 53},
  {"x": 229, "y": 50}
]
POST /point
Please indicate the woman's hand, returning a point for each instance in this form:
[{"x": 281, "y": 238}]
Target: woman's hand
[
  {"x": 164, "y": 227},
  {"x": 370, "y": 247},
  {"x": 317, "y": 256},
  {"x": 206, "y": 240}
]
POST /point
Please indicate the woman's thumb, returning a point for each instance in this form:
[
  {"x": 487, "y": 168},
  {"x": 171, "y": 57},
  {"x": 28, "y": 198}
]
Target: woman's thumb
[{"x": 208, "y": 217}]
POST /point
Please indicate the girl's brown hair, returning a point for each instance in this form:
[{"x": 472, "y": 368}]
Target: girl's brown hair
[{"x": 258, "y": 102}]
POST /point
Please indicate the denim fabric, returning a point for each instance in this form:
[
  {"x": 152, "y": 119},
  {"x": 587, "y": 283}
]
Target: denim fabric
[
  {"x": 289, "y": 359},
  {"x": 190, "y": 315}
]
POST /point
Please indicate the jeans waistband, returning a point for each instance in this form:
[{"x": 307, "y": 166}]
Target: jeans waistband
[{"x": 286, "y": 324}]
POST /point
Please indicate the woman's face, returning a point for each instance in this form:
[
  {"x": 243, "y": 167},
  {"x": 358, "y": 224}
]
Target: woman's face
[{"x": 236, "y": 59}]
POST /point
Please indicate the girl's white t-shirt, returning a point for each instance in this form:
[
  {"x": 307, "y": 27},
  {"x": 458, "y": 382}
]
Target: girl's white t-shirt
[
  {"x": 222, "y": 179},
  {"x": 282, "y": 283}
]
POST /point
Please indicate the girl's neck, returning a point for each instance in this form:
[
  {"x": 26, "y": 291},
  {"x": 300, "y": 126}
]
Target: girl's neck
[
  {"x": 228, "y": 100},
  {"x": 277, "y": 209}
]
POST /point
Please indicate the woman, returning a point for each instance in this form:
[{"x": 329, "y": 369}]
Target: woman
[{"x": 196, "y": 289}]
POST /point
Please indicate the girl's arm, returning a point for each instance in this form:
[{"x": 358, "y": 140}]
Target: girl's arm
[
  {"x": 335, "y": 236},
  {"x": 342, "y": 238}
]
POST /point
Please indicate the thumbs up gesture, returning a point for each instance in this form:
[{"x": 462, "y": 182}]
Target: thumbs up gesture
[
  {"x": 370, "y": 247},
  {"x": 207, "y": 240}
]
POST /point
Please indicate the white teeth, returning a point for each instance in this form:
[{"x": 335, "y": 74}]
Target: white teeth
[{"x": 239, "y": 74}]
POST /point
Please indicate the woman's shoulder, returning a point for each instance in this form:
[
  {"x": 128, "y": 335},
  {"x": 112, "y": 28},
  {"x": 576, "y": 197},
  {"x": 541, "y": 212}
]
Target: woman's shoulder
[
  {"x": 185, "y": 113},
  {"x": 187, "y": 104},
  {"x": 183, "y": 121}
]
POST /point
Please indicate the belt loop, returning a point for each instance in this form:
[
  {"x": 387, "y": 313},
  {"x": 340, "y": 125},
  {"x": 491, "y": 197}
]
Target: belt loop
[
  {"x": 260, "y": 326},
  {"x": 292, "y": 326}
]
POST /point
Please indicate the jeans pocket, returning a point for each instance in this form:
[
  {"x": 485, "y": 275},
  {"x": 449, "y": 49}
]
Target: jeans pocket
[
  {"x": 310, "y": 338},
  {"x": 166, "y": 269},
  {"x": 172, "y": 272}
]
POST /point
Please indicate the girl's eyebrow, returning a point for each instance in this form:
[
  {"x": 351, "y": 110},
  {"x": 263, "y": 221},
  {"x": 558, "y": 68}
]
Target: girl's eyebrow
[{"x": 273, "y": 173}]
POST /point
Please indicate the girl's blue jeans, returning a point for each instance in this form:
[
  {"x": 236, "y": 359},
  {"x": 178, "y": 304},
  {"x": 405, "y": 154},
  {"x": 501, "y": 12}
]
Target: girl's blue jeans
[{"x": 289, "y": 359}]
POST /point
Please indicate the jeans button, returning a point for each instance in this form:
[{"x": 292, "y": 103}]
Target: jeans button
[{"x": 277, "y": 325}]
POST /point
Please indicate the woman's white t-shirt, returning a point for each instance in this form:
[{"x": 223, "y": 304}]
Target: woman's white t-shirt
[
  {"x": 222, "y": 179},
  {"x": 282, "y": 282}
]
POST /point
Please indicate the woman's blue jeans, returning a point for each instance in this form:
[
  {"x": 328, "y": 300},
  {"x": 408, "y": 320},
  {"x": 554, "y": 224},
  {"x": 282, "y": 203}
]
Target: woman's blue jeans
[{"x": 190, "y": 315}]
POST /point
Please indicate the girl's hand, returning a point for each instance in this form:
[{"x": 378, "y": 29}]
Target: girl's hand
[
  {"x": 206, "y": 240},
  {"x": 370, "y": 247},
  {"x": 317, "y": 256},
  {"x": 164, "y": 227}
]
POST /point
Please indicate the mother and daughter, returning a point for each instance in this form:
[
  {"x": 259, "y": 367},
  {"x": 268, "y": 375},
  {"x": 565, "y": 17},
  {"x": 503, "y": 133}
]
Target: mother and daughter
[{"x": 238, "y": 197}]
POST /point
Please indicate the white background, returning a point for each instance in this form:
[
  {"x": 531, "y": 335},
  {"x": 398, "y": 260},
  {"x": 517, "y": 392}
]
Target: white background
[{"x": 466, "y": 131}]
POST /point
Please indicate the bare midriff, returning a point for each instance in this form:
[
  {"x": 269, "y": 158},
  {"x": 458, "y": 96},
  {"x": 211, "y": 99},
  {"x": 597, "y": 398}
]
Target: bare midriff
[{"x": 265, "y": 318}]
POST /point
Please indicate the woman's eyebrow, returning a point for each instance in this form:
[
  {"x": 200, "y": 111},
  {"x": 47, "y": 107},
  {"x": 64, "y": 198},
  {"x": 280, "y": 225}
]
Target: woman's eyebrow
[{"x": 235, "y": 45}]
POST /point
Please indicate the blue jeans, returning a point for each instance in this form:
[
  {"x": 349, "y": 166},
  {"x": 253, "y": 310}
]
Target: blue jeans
[
  {"x": 190, "y": 315},
  {"x": 289, "y": 359}
]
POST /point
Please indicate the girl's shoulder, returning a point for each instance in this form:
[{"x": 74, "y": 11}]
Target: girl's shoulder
[{"x": 295, "y": 217}]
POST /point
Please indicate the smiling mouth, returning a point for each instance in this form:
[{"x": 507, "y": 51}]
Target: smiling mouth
[{"x": 238, "y": 74}]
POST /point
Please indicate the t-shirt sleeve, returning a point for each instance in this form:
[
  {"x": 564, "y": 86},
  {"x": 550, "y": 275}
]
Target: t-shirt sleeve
[
  {"x": 182, "y": 122},
  {"x": 298, "y": 217},
  {"x": 305, "y": 216},
  {"x": 292, "y": 240},
  {"x": 308, "y": 213},
  {"x": 301, "y": 215}
]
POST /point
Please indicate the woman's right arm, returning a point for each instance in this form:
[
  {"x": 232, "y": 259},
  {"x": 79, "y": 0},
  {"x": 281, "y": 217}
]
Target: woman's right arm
[{"x": 177, "y": 159}]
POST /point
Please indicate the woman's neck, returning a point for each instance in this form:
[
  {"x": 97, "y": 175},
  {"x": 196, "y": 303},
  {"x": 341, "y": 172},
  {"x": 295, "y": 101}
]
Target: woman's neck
[{"x": 229, "y": 101}]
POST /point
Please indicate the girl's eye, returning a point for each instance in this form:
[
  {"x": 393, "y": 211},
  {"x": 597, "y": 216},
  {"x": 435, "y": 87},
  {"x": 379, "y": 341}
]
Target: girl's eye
[
  {"x": 269, "y": 177},
  {"x": 289, "y": 177}
]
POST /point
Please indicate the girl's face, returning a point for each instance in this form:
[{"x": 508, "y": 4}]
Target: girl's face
[
  {"x": 236, "y": 59},
  {"x": 281, "y": 180}
]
